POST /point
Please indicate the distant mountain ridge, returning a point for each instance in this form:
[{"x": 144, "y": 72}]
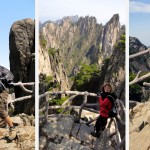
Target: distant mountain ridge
[{"x": 73, "y": 19}]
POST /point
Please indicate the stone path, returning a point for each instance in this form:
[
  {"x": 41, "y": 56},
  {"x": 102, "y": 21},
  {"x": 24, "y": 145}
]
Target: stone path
[
  {"x": 59, "y": 135},
  {"x": 25, "y": 139}
]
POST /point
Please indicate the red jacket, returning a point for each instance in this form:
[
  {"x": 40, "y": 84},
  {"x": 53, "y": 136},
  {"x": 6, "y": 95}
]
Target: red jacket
[{"x": 105, "y": 106}]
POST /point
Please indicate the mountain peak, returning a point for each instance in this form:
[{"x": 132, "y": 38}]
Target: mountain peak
[
  {"x": 72, "y": 19},
  {"x": 114, "y": 19}
]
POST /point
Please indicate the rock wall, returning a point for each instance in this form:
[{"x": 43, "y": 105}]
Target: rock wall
[
  {"x": 115, "y": 73},
  {"x": 138, "y": 92},
  {"x": 141, "y": 63},
  {"x": 51, "y": 65},
  {"x": 22, "y": 58},
  {"x": 44, "y": 62},
  {"x": 140, "y": 126},
  {"x": 83, "y": 41}
]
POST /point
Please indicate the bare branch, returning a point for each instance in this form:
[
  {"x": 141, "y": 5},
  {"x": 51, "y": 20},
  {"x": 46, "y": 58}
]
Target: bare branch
[
  {"x": 139, "y": 79},
  {"x": 146, "y": 84},
  {"x": 140, "y": 53}
]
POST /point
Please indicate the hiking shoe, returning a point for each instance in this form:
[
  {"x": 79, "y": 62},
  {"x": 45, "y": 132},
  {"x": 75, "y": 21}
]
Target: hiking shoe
[
  {"x": 95, "y": 134},
  {"x": 12, "y": 134}
]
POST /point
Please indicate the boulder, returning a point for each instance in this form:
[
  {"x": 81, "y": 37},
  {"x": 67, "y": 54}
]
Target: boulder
[{"x": 22, "y": 61}]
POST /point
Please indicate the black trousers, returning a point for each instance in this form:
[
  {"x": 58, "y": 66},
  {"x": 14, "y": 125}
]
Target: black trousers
[{"x": 100, "y": 123}]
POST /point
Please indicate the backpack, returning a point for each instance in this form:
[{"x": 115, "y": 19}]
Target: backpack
[
  {"x": 6, "y": 80},
  {"x": 113, "y": 112}
]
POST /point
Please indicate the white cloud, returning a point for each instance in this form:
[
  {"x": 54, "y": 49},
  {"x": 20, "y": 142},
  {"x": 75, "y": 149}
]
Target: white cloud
[{"x": 139, "y": 7}]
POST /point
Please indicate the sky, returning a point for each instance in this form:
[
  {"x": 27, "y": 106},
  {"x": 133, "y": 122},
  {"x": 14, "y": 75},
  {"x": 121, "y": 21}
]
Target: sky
[
  {"x": 139, "y": 20},
  {"x": 11, "y": 11},
  {"x": 103, "y": 10}
]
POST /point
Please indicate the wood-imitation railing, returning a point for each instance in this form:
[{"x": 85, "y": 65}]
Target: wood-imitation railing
[
  {"x": 121, "y": 110},
  {"x": 12, "y": 99}
]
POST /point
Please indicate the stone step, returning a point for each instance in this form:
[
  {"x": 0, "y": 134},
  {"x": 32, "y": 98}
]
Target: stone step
[
  {"x": 25, "y": 139},
  {"x": 82, "y": 132}
]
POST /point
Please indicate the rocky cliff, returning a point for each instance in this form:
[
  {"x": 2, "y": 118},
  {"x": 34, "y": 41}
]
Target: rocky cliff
[
  {"x": 140, "y": 126},
  {"x": 50, "y": 65},
  {"x": 22, "y": 54},
  {"x": 115, "y": 72},
  {"x": 81, "y": 41},
  {"x": 141, "y": 63},
  {"x": 138, "y": 92},
  {"x": 92, "y": 54}
]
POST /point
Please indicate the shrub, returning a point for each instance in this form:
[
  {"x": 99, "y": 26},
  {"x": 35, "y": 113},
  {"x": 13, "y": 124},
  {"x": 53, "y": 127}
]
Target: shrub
[
  {"x": 43, "y": 42},
  {"x": 121, "y": 43},
  {"x": 86, "y": 73},
  {"x": 48, "y": 79},
  {"x": 51, "y": 51}
]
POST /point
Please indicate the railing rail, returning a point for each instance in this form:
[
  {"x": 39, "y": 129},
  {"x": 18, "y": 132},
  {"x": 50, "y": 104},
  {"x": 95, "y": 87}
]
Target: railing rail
[
  {"x": 12, "y": 99},
  {"x": 84, "y": 105}
]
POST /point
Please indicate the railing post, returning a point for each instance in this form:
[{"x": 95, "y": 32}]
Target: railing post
[
  {"x": 118, "y": 138},
  {"x": 47, "y": 107},
  {"x": 83, "y": 104}
]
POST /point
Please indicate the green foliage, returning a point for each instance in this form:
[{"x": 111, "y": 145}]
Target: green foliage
[
  {"x": 57, "y": 85},
  {"x": 47, "y": 83},
  {"x": 135, "y": 89},
  {"x": 132, "y": 76},
  {"x": 48, "y": 79},
  {"x": 121, "y": 43},
  {"x": 51, "y": 51},
  {"x": 86, "y": 73},
  {"x": 59, "y": 101},
  {"x": 106, "y": 60},
  {"x": 43, "y": 42}
]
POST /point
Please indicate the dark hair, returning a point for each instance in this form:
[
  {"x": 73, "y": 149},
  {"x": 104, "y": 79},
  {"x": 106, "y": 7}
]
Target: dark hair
[{"x": 106, "y": 84}]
